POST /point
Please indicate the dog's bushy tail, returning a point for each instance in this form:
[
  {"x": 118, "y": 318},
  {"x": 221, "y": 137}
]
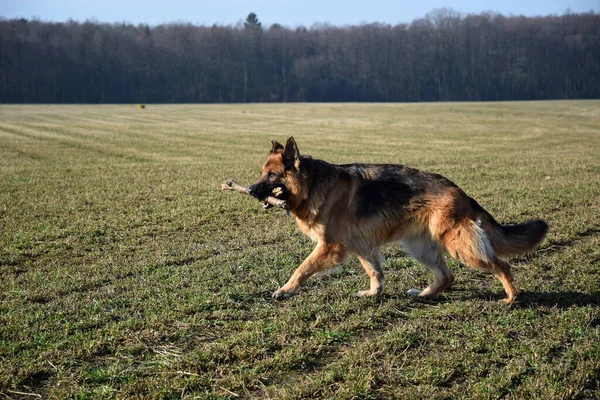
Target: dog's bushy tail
[{"x": 517, "y": 239}]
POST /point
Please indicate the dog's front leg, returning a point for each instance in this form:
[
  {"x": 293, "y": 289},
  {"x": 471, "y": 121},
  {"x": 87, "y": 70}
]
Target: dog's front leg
[{"x": 322, "y": 257}]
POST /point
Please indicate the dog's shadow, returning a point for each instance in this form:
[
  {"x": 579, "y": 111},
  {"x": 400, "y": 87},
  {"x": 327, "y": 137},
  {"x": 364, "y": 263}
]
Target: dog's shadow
[
  {"x": 526, "y": 299},
  {"x": 562, "y": 299}
]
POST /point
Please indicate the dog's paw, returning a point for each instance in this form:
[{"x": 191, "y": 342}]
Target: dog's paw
[
  {"x": 369, "y": 293},
  {"x": 414, "y": 292},
  {"x": 282, "y": 295}
]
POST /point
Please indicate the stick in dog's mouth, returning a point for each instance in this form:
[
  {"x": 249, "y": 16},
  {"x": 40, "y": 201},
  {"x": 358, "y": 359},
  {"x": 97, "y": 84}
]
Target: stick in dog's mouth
[
  {"x": 269, "y": 202},
  {"x": 277, "y": 192}
]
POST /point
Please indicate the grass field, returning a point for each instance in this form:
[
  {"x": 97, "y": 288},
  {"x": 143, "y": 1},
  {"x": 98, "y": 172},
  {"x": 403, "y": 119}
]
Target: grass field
[{"x": 125, "y": 271}]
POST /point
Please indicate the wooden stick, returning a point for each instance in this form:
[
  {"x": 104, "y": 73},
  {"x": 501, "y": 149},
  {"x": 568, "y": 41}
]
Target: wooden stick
[{"x": 233, "y": 185}]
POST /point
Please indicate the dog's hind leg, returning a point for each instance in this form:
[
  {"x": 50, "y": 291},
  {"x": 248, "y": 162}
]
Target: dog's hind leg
[
  {"x": 372, "y": 265},
  {"x": 428, "y": 252},
  {"x": 498, "y": 267},
  {"x": 322, "y": 257},
  {"x": 470, "y": 245},
  {"x": 501, "y": 270}
]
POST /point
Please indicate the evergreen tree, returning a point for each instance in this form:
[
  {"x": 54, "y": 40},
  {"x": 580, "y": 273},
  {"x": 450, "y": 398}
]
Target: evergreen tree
[{"x": 252, "y": 22}]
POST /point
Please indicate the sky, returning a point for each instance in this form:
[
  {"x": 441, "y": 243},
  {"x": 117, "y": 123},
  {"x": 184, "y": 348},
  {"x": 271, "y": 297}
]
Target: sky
[{"x": 289, "y": 13}]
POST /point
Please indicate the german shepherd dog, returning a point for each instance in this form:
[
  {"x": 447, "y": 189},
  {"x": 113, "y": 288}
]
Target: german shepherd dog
[{"x": 357, "y": 208}]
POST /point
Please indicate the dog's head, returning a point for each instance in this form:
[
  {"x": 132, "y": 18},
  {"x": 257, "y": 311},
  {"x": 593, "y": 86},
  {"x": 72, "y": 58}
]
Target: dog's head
[{"x": 278, "y": 174}]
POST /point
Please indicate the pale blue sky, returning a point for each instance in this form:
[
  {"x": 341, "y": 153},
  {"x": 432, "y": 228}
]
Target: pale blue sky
[{"x": 286, "y": 12}]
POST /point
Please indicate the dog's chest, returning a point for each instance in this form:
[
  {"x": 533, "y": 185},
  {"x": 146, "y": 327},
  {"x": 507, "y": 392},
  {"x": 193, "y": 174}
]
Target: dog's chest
[{"x": 309, "y": 229}]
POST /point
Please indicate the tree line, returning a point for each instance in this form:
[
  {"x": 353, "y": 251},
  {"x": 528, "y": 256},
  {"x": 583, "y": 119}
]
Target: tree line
[{"x": 444, "y": 56}]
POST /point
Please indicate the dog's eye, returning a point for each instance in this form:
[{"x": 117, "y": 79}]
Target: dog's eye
[{"x": 272, "y": 175}]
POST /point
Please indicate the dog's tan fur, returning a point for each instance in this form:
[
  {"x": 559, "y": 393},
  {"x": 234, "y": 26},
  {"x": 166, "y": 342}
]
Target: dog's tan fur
[{"x": 356, "y": 208}]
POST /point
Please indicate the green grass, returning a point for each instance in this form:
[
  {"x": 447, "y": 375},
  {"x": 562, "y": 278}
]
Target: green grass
[{"x": 126, "y": 272}]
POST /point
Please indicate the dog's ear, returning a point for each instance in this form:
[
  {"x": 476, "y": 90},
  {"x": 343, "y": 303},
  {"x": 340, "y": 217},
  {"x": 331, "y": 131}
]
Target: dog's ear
[
  {"x": 291, "y": 154},
  {"x": 277, "y": 147}
]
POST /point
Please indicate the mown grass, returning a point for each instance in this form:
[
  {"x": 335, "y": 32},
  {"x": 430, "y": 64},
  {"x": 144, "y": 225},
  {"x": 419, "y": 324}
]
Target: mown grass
[{"x": 126, "y": 272}]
